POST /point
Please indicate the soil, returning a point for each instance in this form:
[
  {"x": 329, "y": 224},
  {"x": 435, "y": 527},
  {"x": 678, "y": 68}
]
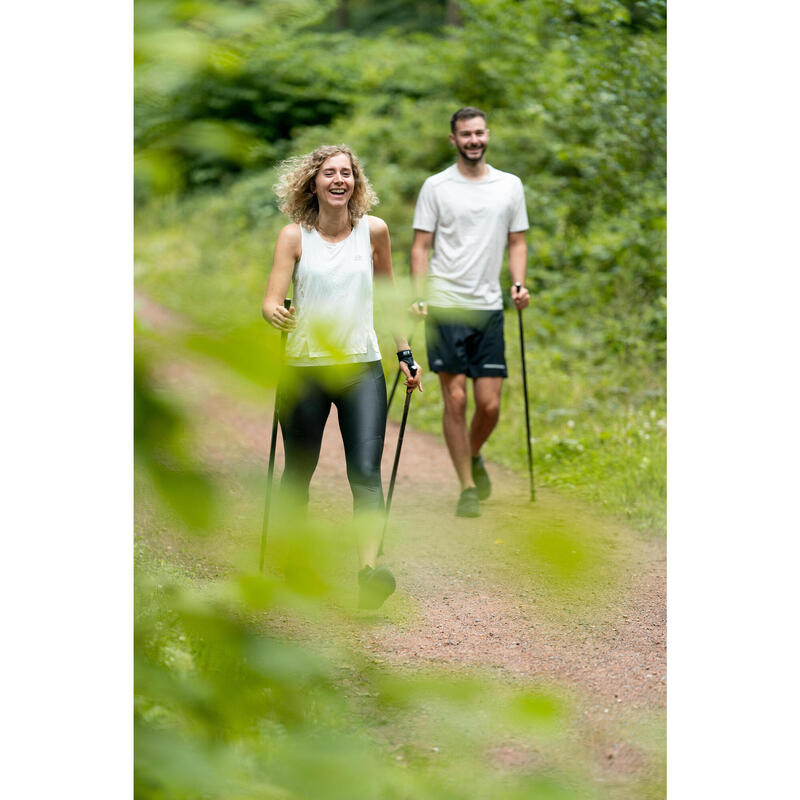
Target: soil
[{"x": 605, "y": 641}]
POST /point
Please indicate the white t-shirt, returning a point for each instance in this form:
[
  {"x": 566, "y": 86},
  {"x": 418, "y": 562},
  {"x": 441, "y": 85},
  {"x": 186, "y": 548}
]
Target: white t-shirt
[
  {"x": 470, "y": 221},
  {"x": 333, "y": 297}
]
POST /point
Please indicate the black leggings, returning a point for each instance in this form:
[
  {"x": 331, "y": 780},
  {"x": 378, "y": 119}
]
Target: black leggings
[{"x": 359, "y": 394}]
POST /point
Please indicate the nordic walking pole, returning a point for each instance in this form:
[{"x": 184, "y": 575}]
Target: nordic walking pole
[
  {"x": 287, "y": 304},
  {"x": 389, "y": 494},
  {"x": 525, "y": 390},
  {"x": 399, "y": 371}
]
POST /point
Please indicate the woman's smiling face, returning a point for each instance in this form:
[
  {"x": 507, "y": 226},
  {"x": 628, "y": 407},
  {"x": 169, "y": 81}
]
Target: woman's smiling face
[{"x": 334, "y": 182}]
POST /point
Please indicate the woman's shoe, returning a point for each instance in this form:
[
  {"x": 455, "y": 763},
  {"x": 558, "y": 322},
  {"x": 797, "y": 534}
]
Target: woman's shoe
[{"x": 374, "y": 586}]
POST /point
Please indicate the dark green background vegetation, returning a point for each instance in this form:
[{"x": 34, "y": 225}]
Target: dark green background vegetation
[{"x": 575, "y": 94}]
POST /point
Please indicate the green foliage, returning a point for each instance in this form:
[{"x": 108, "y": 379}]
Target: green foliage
[
  {"x": 158, "y": 452},
  {"x": 224, "y": 709},
  {"x": 255, "y": 686},
  {"x": 575, "y": 93},
  {"x": 227, "y": 704}
]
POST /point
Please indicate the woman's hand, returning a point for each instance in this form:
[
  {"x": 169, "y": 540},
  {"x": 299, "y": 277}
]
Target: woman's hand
[
  {"x": 282, "y": 319},
  {"x": 415, "y": 381}
]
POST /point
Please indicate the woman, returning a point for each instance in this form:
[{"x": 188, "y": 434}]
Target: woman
[{"x": 333, "y": 251}]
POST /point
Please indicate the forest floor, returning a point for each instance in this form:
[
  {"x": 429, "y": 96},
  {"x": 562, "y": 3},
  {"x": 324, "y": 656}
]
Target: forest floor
[{"x": 470, "y": 594}]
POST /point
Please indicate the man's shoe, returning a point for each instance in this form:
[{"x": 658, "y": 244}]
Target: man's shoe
[
  {"x": 374, "y": 586},
  {"x": 468, "y": 503},
  {"x": 481, "y": 477}
]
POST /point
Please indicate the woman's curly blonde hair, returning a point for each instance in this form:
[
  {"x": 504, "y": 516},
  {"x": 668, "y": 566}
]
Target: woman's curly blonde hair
[{"x": 296, "y": 179}]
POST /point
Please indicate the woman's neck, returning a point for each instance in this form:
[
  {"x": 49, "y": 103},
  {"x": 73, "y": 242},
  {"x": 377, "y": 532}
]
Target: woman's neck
[{"x": 334, "y": 225}]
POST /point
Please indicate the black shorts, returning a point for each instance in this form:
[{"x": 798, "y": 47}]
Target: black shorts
[{"x": 466, "y": 342}]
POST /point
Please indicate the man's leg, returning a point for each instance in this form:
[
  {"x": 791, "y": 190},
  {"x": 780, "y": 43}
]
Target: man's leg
[
  {"x": 447, "y": 357},
  {"x": 484, "y": 420},
  {"x": 486, "y": 355},
  {"x": 487, "y": 411},
  {"x": 454, "y": 424}
]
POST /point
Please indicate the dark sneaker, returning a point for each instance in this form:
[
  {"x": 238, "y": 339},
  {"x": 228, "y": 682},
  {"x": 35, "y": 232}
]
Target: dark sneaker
[
  {"x": 374, "y": 586},
  {"x": 481, "y": 477},
  {"x": 468, "y": 503}
]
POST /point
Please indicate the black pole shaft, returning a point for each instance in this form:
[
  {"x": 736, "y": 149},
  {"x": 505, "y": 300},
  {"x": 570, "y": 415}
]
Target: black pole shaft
[
  {"x": 396, "y": 464},
  {"x": 272, "y": 442},
  {"x": 394, "y": 389},
  {"x": 399, "y": 371},
  {"x": 525, "y": 392}
]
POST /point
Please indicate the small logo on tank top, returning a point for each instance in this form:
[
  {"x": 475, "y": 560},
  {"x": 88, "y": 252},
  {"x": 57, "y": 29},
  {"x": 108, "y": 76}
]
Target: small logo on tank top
[{"x": 357, "y": 257}]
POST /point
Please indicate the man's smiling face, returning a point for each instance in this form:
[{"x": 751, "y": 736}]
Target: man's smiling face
[{"x": 471, "y": 138}]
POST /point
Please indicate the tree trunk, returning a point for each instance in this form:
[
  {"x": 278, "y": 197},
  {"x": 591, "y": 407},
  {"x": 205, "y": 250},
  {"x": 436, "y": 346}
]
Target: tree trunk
[
  {"x": 452, "y": 13},
  {"x": 342, "y": 15}
]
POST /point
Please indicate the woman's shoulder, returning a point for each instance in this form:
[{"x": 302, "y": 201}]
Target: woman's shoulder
[
  {"x": 291, "y": 232},
  {"x": 291, "y": 237},
  {"x": 377, "y": 227}
]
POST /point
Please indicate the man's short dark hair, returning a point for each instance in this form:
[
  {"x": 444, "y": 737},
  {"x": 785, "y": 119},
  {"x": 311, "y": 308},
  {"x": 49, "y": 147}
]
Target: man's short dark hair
[{"x": 468, "y": 112}]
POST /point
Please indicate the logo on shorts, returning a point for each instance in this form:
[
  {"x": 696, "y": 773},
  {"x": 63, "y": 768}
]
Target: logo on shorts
[{"x": 437, "y": 362}]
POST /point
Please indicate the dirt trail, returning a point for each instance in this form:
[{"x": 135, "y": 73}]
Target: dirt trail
[{"x": 448, "y": 567}]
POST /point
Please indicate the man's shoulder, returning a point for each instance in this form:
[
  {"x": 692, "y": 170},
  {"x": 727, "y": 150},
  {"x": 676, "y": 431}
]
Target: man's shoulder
[
  {"x": 439, "y": 178},
  {"x": 498, "y": 175}
]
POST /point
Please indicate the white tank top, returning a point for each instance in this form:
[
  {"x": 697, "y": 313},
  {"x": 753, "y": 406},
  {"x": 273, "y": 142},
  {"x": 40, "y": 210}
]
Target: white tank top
[{"x": 333, "y": 298}]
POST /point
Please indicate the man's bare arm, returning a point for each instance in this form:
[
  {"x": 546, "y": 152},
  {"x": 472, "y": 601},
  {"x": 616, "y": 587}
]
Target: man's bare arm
[
  {"x": 518, "y": 267},
  {"x": 420, "y": 253}
]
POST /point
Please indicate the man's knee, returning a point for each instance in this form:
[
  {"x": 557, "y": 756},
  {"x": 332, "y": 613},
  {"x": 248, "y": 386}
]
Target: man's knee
[
  {"x": 488, "y": 407},
  {"x": 487, "y": 398},
  {"x": 455, "y": 400}
]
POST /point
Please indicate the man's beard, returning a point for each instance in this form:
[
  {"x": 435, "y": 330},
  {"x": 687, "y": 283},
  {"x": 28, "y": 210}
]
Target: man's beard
[{"x": 466, "y": 155}]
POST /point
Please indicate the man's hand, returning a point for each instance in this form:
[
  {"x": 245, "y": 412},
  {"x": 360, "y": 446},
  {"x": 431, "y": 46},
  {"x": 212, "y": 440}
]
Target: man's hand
[
  {"x": 520, "y": 296},
  {"x": 418, "y": 309},
  {"x": 282, "y": 319}
]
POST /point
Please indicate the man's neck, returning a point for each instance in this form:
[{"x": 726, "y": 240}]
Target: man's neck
[{"x": 473, "y": 170}]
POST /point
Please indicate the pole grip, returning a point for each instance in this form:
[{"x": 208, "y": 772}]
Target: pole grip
[{"x": 413, "y": 371}]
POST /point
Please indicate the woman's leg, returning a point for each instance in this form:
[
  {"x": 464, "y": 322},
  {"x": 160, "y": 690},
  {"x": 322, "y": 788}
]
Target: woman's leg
[
  {"x": 303, "y": 416},
  {"x": 362, "y": 421}
]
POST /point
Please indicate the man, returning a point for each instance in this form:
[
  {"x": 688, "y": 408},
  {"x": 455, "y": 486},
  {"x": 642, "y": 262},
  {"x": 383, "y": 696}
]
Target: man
[{"x": 468, "y": 213}]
